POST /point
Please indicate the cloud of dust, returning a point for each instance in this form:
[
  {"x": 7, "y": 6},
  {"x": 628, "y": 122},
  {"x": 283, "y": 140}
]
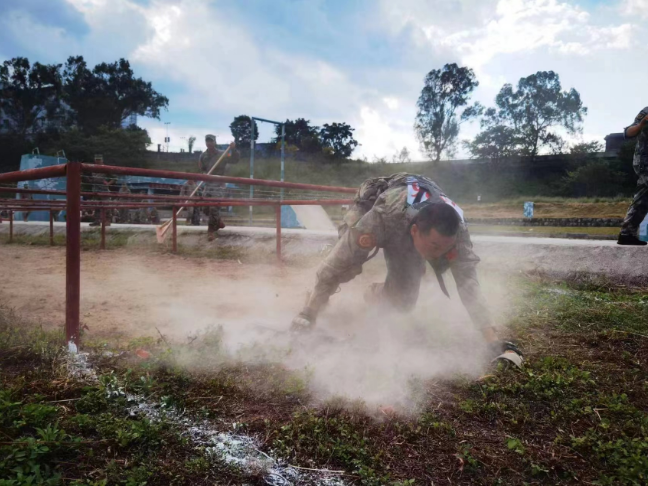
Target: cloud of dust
[{"x": 359, "y": 353}]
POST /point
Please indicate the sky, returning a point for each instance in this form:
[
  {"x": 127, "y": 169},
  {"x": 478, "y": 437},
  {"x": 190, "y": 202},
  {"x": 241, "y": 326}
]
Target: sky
[{"x": 356, "y": 61}]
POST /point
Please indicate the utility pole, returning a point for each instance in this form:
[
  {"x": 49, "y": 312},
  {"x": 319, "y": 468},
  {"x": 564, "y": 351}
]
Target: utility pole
[{"x": 167, "y": 139}]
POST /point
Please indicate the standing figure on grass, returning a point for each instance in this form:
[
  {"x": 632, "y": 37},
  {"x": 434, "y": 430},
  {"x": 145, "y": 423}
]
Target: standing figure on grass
[
  {"x": 213, "y": 189},
  {"x": 629, "y": 234},
  {"x": 413, "y": 221}
]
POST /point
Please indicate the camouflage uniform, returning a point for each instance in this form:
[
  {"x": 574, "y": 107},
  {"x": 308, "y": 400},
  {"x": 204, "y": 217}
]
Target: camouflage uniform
[
  {"x": 100, "y": 183},
  {"x": 639, "y": 207},
  {"x": 385, "y": 224},
  {"x": 213, "y": 189}
]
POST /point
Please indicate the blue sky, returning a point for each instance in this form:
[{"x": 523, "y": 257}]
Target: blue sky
[{"x": 357, "y": 61}]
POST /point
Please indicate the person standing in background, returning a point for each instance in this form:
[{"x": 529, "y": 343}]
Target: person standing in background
[{"x": 638, "y": 209}]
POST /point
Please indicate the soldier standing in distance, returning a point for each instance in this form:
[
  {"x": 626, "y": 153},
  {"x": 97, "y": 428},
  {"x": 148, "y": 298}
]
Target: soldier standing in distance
[
  {"x": 413, "y": 221},
  {"x": 629, "y": 234},
  {"x": 210, "y": 189}
]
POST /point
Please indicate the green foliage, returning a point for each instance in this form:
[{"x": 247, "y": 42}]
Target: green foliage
[
  {"x": 30, "y": 96},
  {"x": 242, "y": 131},
  {"x": 339, "y": 138},
  {"x": 444, "y": 92},
  {"x": 339, "y": 439},
  {"x": 301, "y": 134},
  {"x": 533, "y": 110},
  {"x": 118, "y": 146},
  {"x": 107, "y": 95},
  {"x": 596, "y": 178}
]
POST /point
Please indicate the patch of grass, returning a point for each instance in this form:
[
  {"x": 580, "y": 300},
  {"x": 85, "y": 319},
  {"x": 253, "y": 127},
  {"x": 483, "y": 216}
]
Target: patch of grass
[{"x": 576, "y": 414}]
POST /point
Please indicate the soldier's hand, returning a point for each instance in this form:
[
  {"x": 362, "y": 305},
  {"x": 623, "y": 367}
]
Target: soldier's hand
[{"x": 302, "y": 323}]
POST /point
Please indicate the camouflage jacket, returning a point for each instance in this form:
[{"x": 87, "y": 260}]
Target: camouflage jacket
[
  {"x": 208, "y": 159},
  {"x": 640, "y": 160},
  {"x": 385, "y": 207}
]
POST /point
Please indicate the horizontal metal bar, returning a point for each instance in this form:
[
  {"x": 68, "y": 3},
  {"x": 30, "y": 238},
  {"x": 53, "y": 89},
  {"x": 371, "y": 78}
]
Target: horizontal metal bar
[
  {"x": 114, "y": 170},
  {"x": 267, "y": 121},
  {"x": 33, "y": 174}
]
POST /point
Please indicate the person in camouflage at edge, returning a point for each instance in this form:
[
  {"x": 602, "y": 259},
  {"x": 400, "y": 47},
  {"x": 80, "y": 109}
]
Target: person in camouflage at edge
[
  {"x": 412, "y": 220},
  {"x": 629, "y": 234},
  {"x": 207, "y": 159}
]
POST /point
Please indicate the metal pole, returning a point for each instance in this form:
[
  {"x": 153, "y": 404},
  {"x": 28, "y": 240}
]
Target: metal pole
[
  {"x": 51, "y": 214},
  {"x": 251, "y": 163},
  {"x": 278, "y": 214},
  {"x": 102, "y": 244},
  {"x": 11, "y": 217},
  {"x": 175, "y": 230},
  {"x": 73, "y": 255},
  {"x": 283, "y": 155}
]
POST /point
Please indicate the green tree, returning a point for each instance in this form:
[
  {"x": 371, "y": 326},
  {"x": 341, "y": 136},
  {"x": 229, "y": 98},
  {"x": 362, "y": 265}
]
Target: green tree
[
  {"x": 586, "y": 148},
  {"x": 495, "y": 143},
  {"x": 119, "y": 146},
  {"x": 107, "y": 95},
  {"x": 339, "y": 138},
  {"x": 30, "y": 100},
  {"x": 437, "y": 123},
  {"x": 534, "y": 110},
  {"x": 302, "y": 135},
  {"x": 401, "y": 157},
  {"x": 241, "y": 129}
]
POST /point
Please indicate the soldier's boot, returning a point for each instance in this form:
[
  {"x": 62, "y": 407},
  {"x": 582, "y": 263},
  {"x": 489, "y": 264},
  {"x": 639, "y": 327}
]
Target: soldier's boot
[{"x": 630, "y": 240}]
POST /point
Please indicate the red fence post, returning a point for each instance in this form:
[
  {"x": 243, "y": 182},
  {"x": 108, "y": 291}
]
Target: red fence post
[
  {"x": 73, "y": 254},
  {"x": 11, "y": 216},
  {"x": 278, "y": 214},
  {"x": 51, "y": 214},
  {"x": 102, "y": 244},
  {"x": 175, "y": 230}
]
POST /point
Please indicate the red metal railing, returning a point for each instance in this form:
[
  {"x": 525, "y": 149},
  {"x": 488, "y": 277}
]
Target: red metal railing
[{"x": 73, "y": 205}]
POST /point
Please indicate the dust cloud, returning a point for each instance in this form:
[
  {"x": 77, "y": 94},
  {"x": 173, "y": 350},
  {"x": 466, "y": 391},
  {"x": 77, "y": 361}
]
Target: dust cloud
[{"x": 358, "y": 353}]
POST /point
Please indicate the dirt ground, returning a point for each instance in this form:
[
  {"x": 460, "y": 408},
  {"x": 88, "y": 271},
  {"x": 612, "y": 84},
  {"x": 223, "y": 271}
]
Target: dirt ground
[{"x": 128, "y": 293}]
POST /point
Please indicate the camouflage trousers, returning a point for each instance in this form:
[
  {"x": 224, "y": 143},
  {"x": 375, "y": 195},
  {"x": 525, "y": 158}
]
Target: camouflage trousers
[
  {"x": 637, "y": 212},
  {"x": 213, "y": 190}
]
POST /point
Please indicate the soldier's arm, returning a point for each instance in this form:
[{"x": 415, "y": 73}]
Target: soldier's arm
[
  {"x": 464, "y": 271},
  {"x": 345, "y": 261},
  {"x": 640, "y": 122}
]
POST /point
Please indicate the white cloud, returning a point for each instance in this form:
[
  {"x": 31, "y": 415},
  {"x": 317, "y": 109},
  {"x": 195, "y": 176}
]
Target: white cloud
[
  {"x": 391, "y": 102},
  {"x": 635, "y": 8},
  {"x": 384, "y": 136},
  {"x": 527, "y": 25}
]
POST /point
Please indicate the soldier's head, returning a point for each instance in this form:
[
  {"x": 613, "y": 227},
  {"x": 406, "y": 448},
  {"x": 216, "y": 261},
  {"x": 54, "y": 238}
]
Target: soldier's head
[
  {"x": 434, "y": 230},
  {"x": 210, "y": 141}
]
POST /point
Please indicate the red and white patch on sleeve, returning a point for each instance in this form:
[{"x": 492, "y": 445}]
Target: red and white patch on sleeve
[
  {"x": 452, "y": 254},
  {"x": 449, "y": 201}
]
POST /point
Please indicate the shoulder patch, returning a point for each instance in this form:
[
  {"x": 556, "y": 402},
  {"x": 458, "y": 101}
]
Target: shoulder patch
[
  {"x": 366, "y": 241},
  {"x": 452, "y": 254}
]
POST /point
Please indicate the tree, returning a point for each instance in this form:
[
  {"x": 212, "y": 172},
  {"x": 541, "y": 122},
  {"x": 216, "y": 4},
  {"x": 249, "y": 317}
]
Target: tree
[
  {"x": 586, "y": 148},
  {"x": 339, "y": 138},
  {"x": 495, "y": 143},
  {"x": 445, "y": 91},
  {"x": 108, "y": 94},
  {"x": 533, "y": 110},
  {"x": 402, "y": 156},
  {"x": 301, "y": 134},
  {"x": 190, "y": 143},
  {"x": 119, "y": 146},
  {"x": 241, "y": 130},
  {"x": 29, "y": 97}
]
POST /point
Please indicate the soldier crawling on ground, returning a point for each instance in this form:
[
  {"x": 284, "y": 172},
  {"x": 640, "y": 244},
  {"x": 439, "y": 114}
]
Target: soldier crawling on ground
[
  {"x": 213, "y": 189},
  {"x": 412, "y": 220},
  {"x": 629, "y": 234}
]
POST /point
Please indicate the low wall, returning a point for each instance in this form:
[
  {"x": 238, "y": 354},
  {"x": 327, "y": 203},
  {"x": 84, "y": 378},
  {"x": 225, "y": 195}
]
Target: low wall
[{"x": 555, "y": 222}]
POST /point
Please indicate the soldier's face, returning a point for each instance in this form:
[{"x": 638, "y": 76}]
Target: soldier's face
[
  {"x": 211, "y": 145},
  {"x": 432, "y": 245}
]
